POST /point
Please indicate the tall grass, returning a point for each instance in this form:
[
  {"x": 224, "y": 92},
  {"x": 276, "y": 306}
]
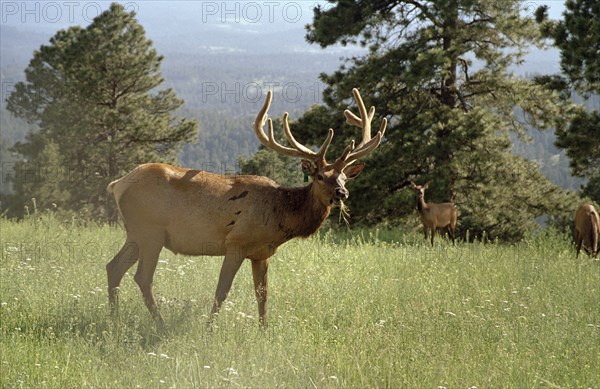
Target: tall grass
[{"x": 376, "y": 309}]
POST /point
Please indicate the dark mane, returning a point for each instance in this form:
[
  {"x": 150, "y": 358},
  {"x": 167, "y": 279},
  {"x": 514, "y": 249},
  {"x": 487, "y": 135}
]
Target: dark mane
[{"x": 302, "y": 215}]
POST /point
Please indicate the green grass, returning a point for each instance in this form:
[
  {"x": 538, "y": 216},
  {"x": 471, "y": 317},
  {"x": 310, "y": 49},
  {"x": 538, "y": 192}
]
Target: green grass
[{"x": 379, "y": 310}]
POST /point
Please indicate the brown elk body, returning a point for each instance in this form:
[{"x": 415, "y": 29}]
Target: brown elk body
[
  {"x": 587, "y": 230},
  {"x": 198, "y": 213},
  {"x": 434, "y": 216}
]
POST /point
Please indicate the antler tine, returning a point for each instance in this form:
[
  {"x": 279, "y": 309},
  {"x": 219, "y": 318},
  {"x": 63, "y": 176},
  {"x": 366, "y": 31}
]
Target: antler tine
[
  {"x": 347, "y": 151},
  {"x": 299, "y": 146},
  {"x": 367, "y": 144},
  {"x": 365, "y": 117},
  {"x": 298, "y": 150},
  {"x": 276, "y": 146},
  {"x": 323, "y": 150},
  {"x": 261, "y": 118},
  {"x": 288, "y": 134},
  {"x": 368, "y": 147}
]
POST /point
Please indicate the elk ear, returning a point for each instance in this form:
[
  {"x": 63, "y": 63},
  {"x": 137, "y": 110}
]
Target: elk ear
[
  {"x": 413, "y": 185},
  {"x": 354, "y": 170},
  {"x": 426, "y": 185},
  {"x": 308, "y": 167}
]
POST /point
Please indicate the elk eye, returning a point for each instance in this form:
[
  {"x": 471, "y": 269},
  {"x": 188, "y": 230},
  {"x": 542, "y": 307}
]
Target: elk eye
[{"x": 320, "y": 177}]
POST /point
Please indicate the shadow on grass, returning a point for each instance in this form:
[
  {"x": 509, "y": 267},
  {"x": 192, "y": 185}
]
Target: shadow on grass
[{"x": 98, "y": 327}]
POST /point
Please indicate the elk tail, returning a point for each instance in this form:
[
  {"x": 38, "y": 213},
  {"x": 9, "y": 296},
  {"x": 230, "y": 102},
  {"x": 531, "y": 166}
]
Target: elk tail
[{"x": 111, "y": 186}]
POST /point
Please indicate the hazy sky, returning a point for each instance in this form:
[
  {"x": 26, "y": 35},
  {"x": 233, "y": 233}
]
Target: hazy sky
[
  {"x": 200, "y": 26},
  {"x": 245, "y": 14},
  {"x": 249, "y": 15}
]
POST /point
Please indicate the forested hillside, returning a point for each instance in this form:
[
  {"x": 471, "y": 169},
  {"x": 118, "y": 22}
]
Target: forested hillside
[
  {"x": 552, "y": 161},
  {"x": 223, "y": 90}
]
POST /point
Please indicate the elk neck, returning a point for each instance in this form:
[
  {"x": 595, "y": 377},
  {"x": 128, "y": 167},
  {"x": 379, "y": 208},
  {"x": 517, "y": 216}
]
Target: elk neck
[
  {"x": 299, "y": 212},
  {"x": 421, "y": 204}
]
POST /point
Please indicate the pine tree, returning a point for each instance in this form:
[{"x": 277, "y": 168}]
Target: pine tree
[
  {"x": 93, "y": 93},
  {"x": 440, "y": 71},
  {"x": 577, "y": 37}
]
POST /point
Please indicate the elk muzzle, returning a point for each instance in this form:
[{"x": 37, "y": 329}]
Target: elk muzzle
[{"x": 341, "y": 193}]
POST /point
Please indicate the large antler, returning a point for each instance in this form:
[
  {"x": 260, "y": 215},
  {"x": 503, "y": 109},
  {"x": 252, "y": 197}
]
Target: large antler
[
  {"x": 367, "y": 144},
  {"x": 298, "y": 150}
]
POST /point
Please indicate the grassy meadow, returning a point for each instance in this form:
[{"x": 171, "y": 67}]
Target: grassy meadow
[{"x": 376, "y": 309}]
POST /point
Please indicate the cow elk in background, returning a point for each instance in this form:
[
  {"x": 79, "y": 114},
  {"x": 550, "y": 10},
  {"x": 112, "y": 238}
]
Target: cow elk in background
[
  {"x": 587, "y": 230},
  {"x": 198, "y": 213},
  {"x": 434, "y": 216}
]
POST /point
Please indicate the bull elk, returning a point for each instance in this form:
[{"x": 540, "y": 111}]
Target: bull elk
[
  {"x": 199, "y": 213},
  {"x": 587, "y": 230},
  {"x": 435, "y": 216}
]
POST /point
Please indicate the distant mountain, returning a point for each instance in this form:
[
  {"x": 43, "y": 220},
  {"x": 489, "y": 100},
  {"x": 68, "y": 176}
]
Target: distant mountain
[{"x": 221, "y": 57}]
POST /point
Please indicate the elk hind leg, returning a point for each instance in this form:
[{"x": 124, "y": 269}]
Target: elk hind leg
[
  {"x": 116, "y": 269},
  {"x": 594, "y": 242},
  {"x": 144, "y": 276},
  {"x": 261, "y": 282},
  {"x": 578, "y": 241}
]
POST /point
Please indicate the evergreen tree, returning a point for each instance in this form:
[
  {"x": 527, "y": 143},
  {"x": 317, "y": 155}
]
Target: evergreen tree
[
  {"x": 440, "y": 71},
  {"x": 577, "y": 37},
  {"x": 93, "y": 93},
  {"x": 581, "y": 139},
  {"x": 282, "y": 169}
]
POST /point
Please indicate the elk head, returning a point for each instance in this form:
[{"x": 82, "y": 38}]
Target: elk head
[
  {"x": 419, "y": 190},
  {"x": 329, "y": 179}
]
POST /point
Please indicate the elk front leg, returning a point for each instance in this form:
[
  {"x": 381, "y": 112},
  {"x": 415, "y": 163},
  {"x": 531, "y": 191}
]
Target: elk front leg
[
  {"x": 452, "y": 233},
  {"x": 260, "y": 274},
  {"x": 231, "y": 264},
  {"x": 432, "y": 234}
]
